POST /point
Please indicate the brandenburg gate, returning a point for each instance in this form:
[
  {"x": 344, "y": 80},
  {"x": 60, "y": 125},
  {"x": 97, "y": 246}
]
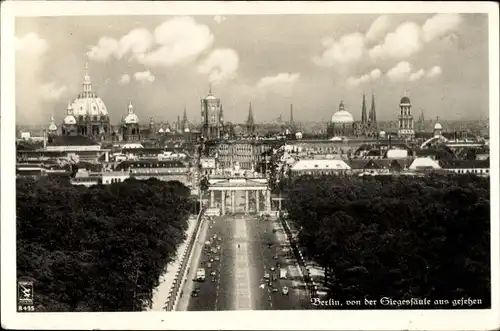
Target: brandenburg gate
[{"x": 253, "y": 195}]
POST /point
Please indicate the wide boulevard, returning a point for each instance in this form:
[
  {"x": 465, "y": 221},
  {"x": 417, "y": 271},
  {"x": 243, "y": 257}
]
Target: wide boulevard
[{"x": 248, "y": 248}]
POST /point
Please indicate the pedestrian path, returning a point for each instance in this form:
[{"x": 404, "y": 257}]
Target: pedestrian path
[{"x": 161, "y": 293}]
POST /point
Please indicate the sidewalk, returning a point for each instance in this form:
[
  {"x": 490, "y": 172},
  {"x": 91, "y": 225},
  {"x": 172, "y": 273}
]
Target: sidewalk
[{"x": 162, "y": 292}]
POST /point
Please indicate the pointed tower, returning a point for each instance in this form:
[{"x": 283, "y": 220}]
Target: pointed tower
[
  {"x": 364, "y": 119},
  {"x": 291, "y": 113},
  {"x": 373, "y": 112},
  {"x": 221, "y": 115},
  {"x": 250, "y": 122},
  {"x": 185, "y": 123}
]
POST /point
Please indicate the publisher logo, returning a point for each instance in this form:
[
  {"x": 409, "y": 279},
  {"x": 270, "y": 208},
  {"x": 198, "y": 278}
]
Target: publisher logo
[{"x": 25, "y": 292}]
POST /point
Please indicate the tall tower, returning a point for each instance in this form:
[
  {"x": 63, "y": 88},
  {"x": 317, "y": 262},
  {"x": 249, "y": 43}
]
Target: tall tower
[
  {"x": 211, "y": 116},
  {"x": 185, "y": 123},
  {"x": 250, "y": 121},
  {"x": 291, "y": 113},
  {"x": 364, "y": 119},
  {"x": 405, "y": 118},
  {"x": 373, "y": 112}
]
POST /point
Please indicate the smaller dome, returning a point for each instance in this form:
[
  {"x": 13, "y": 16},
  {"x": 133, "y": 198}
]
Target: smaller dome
[
  {"x": 167, "y": 130},
  {"x": 298, "y": 135},
  {"x": 69, "y": 120},
  {"x": 131, "y": 119},
  {"x": 382, "y": 133},
  {"x": 405, "y": 100},
  {"x": 52, "y": 125},
  {"x": 186, "y": 130},
  {"x": 161, "y": 130},
  {"x": 438, "y": 126}
]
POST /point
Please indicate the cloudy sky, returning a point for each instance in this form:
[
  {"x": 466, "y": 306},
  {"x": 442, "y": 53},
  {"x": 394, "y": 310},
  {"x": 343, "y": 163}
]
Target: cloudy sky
[{"x": 165, "y": 63}]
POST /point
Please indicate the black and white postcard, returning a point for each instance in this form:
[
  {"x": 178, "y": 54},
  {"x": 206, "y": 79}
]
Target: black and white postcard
[{"x": 250, "y": 165}]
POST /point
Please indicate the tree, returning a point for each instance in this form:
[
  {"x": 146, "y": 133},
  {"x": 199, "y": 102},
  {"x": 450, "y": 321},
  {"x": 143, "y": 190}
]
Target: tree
[
  {"x": 97, "y": 248},
  {"x": 396, "y": 237}
]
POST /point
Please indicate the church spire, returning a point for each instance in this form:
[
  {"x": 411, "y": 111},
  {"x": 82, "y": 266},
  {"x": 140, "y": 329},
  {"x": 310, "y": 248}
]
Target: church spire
[
  {"x": 250, "y": 114},
  {"x": 87, "y": 83},
  {"x": 184, "y": 119},
  {"x": 291, "y": 113},
  {"x": 373, "y": 112},
  {"x": 209, "y": 88},
  {"x": 363, "y": 111}
]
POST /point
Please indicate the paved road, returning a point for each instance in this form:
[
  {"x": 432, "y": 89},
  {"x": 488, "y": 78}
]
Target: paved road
[{"x": 238, "y": 282}]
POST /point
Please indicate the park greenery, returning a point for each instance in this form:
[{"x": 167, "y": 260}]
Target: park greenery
[
  {"x": 398, "y": 237},
  {"x": 101, "y": 248}
]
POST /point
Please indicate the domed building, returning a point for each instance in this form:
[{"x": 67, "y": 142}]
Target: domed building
[
  {"x": 438, "y": 128},
  {"x": 52, "y": 129},
  {"x": 130, "y": 127},
  {"x": 68, "y": 127},
  {"x": 90, "y": 113},
  {"x": 342, "y": 123}
]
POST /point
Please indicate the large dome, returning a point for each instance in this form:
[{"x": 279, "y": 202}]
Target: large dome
[
  {"x": 438, "y": 126},
  {"x": 88, "y": 103},
  {"x": 342, "y": 116}
]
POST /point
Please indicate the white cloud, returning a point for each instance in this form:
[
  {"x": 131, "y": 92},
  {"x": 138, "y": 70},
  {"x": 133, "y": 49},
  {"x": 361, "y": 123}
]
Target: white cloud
[
  {"x": 440, "y": 25},
  {"x": 372, "y": 76},
  {"x": 347, "y": 49},
  {"x": 219, "y": 18},
  {"x": 434, "y": 72},
  {"x": 144, "y": 76},
  {"x": 105, "y": 48},
  {"x": 416, "y": 75},
  {"x": 180, "y": 40},
  {"x": 409, "y": 38},
  {"x": 403, "y": 42},
  {"x": 220, "y": 64},
  {"x": 400, "y": 72},
  {"x": 378, "y": 28},
  {"x": 404, "y": 72},
  {"x": 175, "y": 41},
  {"x": 51, "y": 91},
  {"x": 31, "y": 45},
  {"x": 279, "y": 79},
  {"x": 124, "y": 79}
]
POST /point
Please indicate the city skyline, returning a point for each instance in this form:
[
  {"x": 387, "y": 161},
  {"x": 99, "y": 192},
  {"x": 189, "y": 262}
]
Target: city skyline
[{"x": 163, "y": 64}]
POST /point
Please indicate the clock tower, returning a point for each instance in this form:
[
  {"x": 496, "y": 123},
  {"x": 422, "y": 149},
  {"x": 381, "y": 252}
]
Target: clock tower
[{"x": 211, "y": 117}]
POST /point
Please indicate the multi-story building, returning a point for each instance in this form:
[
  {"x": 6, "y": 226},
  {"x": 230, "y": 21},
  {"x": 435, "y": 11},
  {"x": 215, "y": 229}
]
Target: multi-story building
[
  {"x": 406, "y": 129},
  {"x": 212, "y": 117}
]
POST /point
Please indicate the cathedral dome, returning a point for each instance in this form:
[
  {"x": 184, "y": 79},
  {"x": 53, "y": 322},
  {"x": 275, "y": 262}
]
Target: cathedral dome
[
  {"x": 88, "y": 103},
  {"x": 186, "y": 130},
  {"x": 438, "y": 126},
  {"x": 342, "y": 116},
  {"x": 131, "y": 117}
]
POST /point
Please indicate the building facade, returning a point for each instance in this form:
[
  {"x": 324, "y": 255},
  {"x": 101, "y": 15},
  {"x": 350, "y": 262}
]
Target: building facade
[
  {"x": 130, "y": 126},
  {"x": 342, "y": 123}
]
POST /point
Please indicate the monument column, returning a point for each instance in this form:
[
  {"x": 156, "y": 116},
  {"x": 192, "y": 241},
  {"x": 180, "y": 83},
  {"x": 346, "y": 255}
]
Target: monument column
[
  {"x": 257, "y": 200},
  {"x": 212, "y": 199},
  {"x": 268, "y": 200},
  {"x": 246, "y": 201},
  {"x": 223, "y": 202}
]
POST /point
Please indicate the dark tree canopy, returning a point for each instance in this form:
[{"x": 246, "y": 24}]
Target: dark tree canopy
[
  {"x": 399, "y": 237},
  {"x": 101, "y": 248}
]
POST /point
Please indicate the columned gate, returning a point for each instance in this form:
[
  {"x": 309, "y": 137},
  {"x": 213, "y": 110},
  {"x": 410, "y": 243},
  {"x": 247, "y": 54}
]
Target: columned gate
[{"x": 240, "y": 195}]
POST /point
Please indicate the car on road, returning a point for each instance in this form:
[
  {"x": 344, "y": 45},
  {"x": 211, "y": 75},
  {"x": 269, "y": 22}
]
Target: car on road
[
  {"x": 275, "y": 278},
  {"x": 209, "y": 265},
  {"x": 272, "y": 268},
  {"x": 278, "y": 264},
  {"x": 266, "y": 275},
  {"x": 275, "y": 257},
  {"x": 275, "y": 289},
  {"x": 284, "y": 290},
  {"x": 195, "y": 293},
  {"x": 212, "y": 260},
  {"x": 207, "y": 242},
  {"x": 217, "y": 258},
  {"x": 212, "y": 273}
]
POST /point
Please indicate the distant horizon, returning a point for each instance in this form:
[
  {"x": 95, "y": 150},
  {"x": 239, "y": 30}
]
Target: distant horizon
[{"x": 313, "y": 61}]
